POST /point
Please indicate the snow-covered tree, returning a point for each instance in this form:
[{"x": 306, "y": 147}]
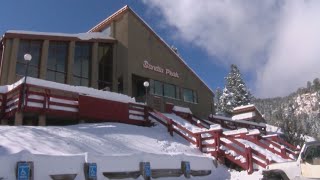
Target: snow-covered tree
[
  {"x": 291, "y": 126},
  {"x": 226, "y": 102},
  {"x": 217, "y": 97},
  {"x": 235, "y": 91}
]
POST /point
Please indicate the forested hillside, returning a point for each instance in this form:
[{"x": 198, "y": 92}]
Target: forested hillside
[{"x": 298, "y": 113}]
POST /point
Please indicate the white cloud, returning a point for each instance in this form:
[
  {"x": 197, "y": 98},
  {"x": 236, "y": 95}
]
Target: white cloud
[{"x": 278, "y": 40}]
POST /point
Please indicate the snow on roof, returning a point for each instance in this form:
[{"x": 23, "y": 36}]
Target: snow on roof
[
  {"x": 81, "y": 36},
  {"x": 243, "y": 107},
  {"x": 76, "y": 89},
  {"x": 182, "y": 109},
  {"x": 246, "y": 115}
]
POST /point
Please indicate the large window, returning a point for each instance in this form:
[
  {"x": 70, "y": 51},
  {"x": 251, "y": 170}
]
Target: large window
[
  {"x": 169, "y": 90},
  {"x": 164, "y": 89},
  {"x": 57, "y": 60},
  {"x": 82, "y": 64},
  {"x": 105, "y": 66},
  {"x": 32, "y": 47},
  {"x": 189, "y": 96},
  {"x": 158, "y": 88}
]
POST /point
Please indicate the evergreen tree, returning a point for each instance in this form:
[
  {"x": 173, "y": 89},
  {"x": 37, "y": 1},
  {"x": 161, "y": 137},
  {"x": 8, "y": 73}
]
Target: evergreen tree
[
  {"x": 235, "y": 92},
  {"x": 218, "y": 95},
  {"x": 226, "y": 102}
]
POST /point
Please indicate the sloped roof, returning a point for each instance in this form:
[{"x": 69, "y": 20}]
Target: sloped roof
[
  {"x": 90, "y": 37},
  {"x": 106, "y": 22}
]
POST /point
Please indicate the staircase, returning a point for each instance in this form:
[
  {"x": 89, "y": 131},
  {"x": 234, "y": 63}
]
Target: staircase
[{"x": 247, "y": 149}]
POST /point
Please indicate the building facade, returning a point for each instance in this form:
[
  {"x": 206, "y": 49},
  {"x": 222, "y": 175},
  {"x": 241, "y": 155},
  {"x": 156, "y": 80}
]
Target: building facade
[{"x": 119, "y": 54}]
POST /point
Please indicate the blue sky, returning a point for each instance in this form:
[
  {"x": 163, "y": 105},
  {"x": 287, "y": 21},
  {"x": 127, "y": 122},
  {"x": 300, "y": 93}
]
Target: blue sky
[{"x": 75, "y": 16}]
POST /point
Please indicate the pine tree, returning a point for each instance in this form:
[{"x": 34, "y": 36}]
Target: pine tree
[
  {"x": 226, "y": 102},
  {"x": 218, "y": 95},
  {"x": 235, "y": 91}
]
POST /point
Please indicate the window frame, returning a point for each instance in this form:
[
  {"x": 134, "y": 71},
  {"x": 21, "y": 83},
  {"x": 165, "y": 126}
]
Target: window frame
[
  {"x": 57, "y": 48},
  {"x": 36, "y": 55},
  {"x": 194, "y": 96},
  {"x": 82, "y": 57}
]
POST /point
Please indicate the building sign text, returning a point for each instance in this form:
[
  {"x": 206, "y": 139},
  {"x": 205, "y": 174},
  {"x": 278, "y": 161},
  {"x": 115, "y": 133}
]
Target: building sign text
[{"x": 159, "y": 69}]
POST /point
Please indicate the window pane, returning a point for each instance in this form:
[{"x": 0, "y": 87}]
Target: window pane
[
  {"x": 84, "y": 82},
  {"x": 32, "y": 47},
  {"x": 33, "y": 71},
  {"x": 76, "y": 81},
  {"x": 85, "y": 68},
  {"x": 152, "y": 86},
  {"x": 51, "y": 64},
  {"x": 187, "y": 95},
  {"x": 50, "y": 75},
  {"x": 77, "y": 69},
  {"x": 57, "y": 56},
  {"x": 60, "y": 77},
  {"x": 169, "y": 90},
  {"x": 81, "y": 65},
  {"x": 178, "y": 93},
  {"x": 20, "y": 69},
  {"x": 195, "y": 98},
  {"x": 158, "y": 88}
]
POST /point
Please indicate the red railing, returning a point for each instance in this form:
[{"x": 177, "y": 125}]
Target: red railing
[
  {"x": 209, "y": 141},
  {"x": 286, "y": 148},
  {"x": 139, "y": 113},
  {"x": 194, "y": 120},
  {"x": 225, "y": 146},
  {"x": 13, "y": 102},
  {"x": 61, "y": 103}
]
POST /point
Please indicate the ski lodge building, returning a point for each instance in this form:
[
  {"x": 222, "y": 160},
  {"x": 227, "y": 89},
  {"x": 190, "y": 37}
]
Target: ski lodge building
[{"x": 119, "y": 54}]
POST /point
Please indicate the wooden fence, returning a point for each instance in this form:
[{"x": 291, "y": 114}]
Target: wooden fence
[{"x": 231, "y": 147}]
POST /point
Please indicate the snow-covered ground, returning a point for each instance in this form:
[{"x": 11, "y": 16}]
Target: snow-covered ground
[{"x": 113, "y": 146}]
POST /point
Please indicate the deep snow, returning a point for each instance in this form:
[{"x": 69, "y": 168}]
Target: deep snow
[{"x": 115, "y": 147}]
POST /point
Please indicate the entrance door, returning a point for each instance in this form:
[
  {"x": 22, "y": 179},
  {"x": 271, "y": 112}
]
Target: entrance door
[{"x": 138, "y": 90}]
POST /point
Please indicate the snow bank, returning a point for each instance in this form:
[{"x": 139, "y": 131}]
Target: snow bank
[
  {"x": 182, "y": 109},
  {"x": 113, "y": 146},
  {"x": 99, "y": 139},
  {"x": 75, "y": 89}
]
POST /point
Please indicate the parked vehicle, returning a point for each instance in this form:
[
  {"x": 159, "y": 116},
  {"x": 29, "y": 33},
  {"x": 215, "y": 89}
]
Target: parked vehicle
[{"x": 307, "y": 166}]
